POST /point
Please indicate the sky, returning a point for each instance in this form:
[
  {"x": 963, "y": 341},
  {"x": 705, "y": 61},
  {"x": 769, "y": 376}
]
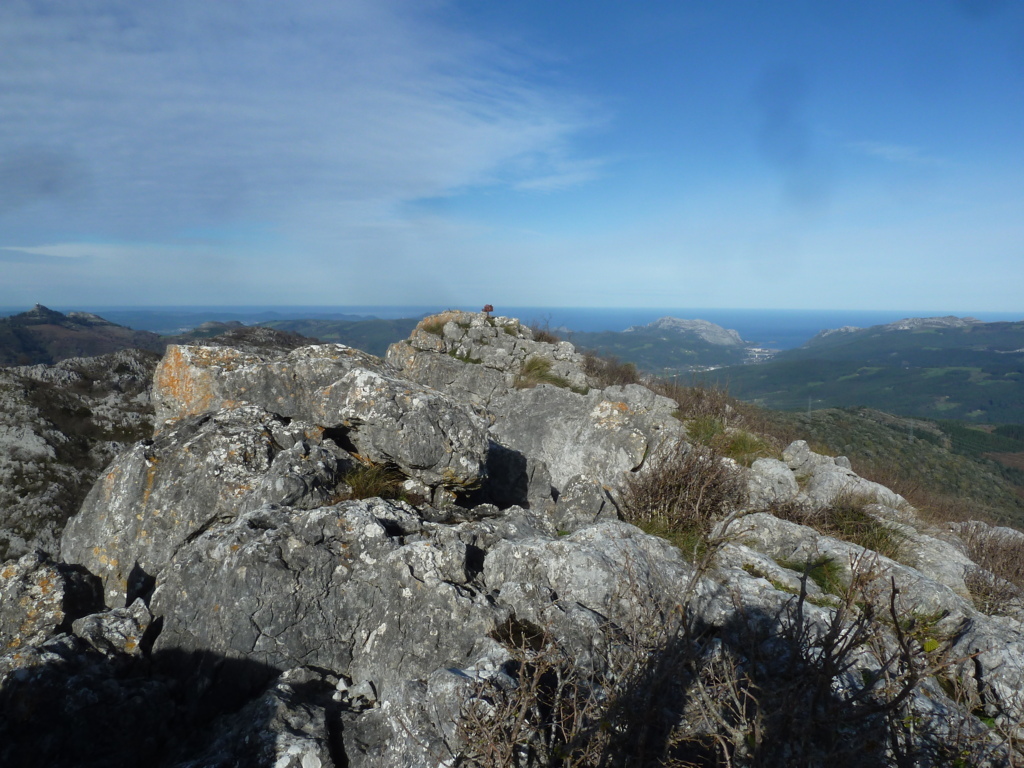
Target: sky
[{"x": 855, "y": 154}]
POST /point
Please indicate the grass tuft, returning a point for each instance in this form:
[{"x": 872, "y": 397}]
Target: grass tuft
[{"x": 537, "y": 370}]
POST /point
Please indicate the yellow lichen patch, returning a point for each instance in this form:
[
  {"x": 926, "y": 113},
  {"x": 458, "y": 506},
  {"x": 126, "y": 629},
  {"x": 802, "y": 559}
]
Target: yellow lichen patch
[
  {"x": 109, "y": 562},
  {"x": 45, "y": 583},
  {"x": 130, "y": 644},
  {"x": 108, "y": 484},
  {"x": 150, "y": 480},
  {"x": 14, "y": 643},
  {"x": 8, "y": 572}
]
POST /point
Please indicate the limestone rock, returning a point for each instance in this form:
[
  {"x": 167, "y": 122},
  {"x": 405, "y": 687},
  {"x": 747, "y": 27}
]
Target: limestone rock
[
  {"x": 826, "y": 478},
  {"x": 39, "y": 598},
  {"x": 602, "y": 434},
  {"x": 160, "y": 493},
  {"x": 385, "y": 419},
  {"x": 118, "y": 631},
  {"x": 479, "y": 358},
  {"x": 771, "y": 481},
  {"x": 59, "y": 426},
  {"x": 331, "y": 588}
]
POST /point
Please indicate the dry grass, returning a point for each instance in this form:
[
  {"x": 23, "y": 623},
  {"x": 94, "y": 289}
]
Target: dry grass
[
  {"x": 609, "y": 371},
  {"x": 537, "y": 370},
  {"x": 997, "y": 585},
  {"x": 846, "y": 518},
  {"x": 543, "y": 334},
  {"x": 368, "y": 481}
]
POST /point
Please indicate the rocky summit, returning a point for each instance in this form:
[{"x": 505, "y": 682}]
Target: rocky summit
[{"x": 324, "y": 558}]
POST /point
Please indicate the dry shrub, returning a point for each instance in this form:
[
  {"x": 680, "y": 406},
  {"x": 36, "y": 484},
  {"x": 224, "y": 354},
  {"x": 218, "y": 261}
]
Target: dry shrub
[
  {"x": 682, "y": 491},
  {"x": 542, "y": 333},
  {"x": 609, "y": 371},
  {"x": 997, "y": 585},
  {"x": 698, "y": 401},
  {"x": 794, "y": 688}
]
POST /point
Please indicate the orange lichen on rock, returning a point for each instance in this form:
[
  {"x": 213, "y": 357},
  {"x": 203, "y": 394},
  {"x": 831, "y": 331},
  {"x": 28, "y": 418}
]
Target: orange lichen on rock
[
  {"x": 182, "y": 379},
  {"x": 185, "y": 381}
]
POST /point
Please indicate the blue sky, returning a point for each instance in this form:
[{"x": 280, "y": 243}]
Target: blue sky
[{"x": 796, "y": 155}]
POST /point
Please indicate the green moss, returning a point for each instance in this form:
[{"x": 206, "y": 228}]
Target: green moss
[{"x": 823, "y": 571}]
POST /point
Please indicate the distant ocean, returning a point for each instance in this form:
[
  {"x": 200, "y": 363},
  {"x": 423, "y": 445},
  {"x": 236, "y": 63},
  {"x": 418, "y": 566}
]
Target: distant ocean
[{"x": 773, "y": 328}]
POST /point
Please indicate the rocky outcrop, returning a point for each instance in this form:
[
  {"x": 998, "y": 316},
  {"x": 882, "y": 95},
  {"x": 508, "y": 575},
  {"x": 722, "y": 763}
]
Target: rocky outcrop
[
  {"x": 826, "y": 478},
  {"x": 604, "y": 433},
  {"x": 59, "y": 426},
  {"x": 479, "y": 358},
  {"x": 385, "y": 419},
  {"x": 255, "y": 614},
  {"x": 204, "y": 470}
]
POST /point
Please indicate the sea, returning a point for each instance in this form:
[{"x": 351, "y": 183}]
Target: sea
[{"x": 769, "y": 328}]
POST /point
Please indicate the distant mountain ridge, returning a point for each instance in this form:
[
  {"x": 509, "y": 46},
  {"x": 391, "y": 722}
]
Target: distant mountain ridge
[
  {"x": 906, "y": 324},
  {"x": 42, "y": 335},
  {"x": 935, "y": 367},
  {"x": 45, "y": 336}
]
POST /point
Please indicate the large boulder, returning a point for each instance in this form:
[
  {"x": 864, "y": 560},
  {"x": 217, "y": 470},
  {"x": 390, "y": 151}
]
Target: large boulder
[
  {"x": 602, "y": 434},
  {"x": 364, "y": 589},
  {"x": 385, "y": 419},
  {"x": 205, "y": 469}
]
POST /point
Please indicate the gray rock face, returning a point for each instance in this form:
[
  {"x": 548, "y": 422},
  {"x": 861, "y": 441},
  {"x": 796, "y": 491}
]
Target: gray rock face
[
  {"x": 771, "y": 481},
  {"x": 59, "y": 426},
  {"x": 827, "y": 478},
  {"x": 345, "y": 581},
  {"x": 387, "y": 420},
  {"x": 160, "y": 493},
  {"x": 600, "y": 434},
  {"x": 479, "y": 358}
]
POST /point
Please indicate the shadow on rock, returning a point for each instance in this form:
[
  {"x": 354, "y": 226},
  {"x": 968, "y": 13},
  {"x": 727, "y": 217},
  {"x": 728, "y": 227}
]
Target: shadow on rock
[{"x": 82, "y": 708}]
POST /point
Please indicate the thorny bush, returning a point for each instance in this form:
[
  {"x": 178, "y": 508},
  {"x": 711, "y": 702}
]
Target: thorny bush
[{"x": 804, "y": 686}]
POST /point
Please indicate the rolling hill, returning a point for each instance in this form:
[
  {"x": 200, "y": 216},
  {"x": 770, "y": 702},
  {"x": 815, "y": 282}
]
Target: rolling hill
[{"x": 940, "y": 368}]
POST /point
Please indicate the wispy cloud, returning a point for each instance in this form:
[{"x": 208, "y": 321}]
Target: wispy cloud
[
  {"x": 154, "y": 117},
  {"x": 894, "y": 153},
  {"x": 58, "y": 251}
]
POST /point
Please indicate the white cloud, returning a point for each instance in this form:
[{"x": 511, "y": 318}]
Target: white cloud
[{"x": 174, "y": 115}]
